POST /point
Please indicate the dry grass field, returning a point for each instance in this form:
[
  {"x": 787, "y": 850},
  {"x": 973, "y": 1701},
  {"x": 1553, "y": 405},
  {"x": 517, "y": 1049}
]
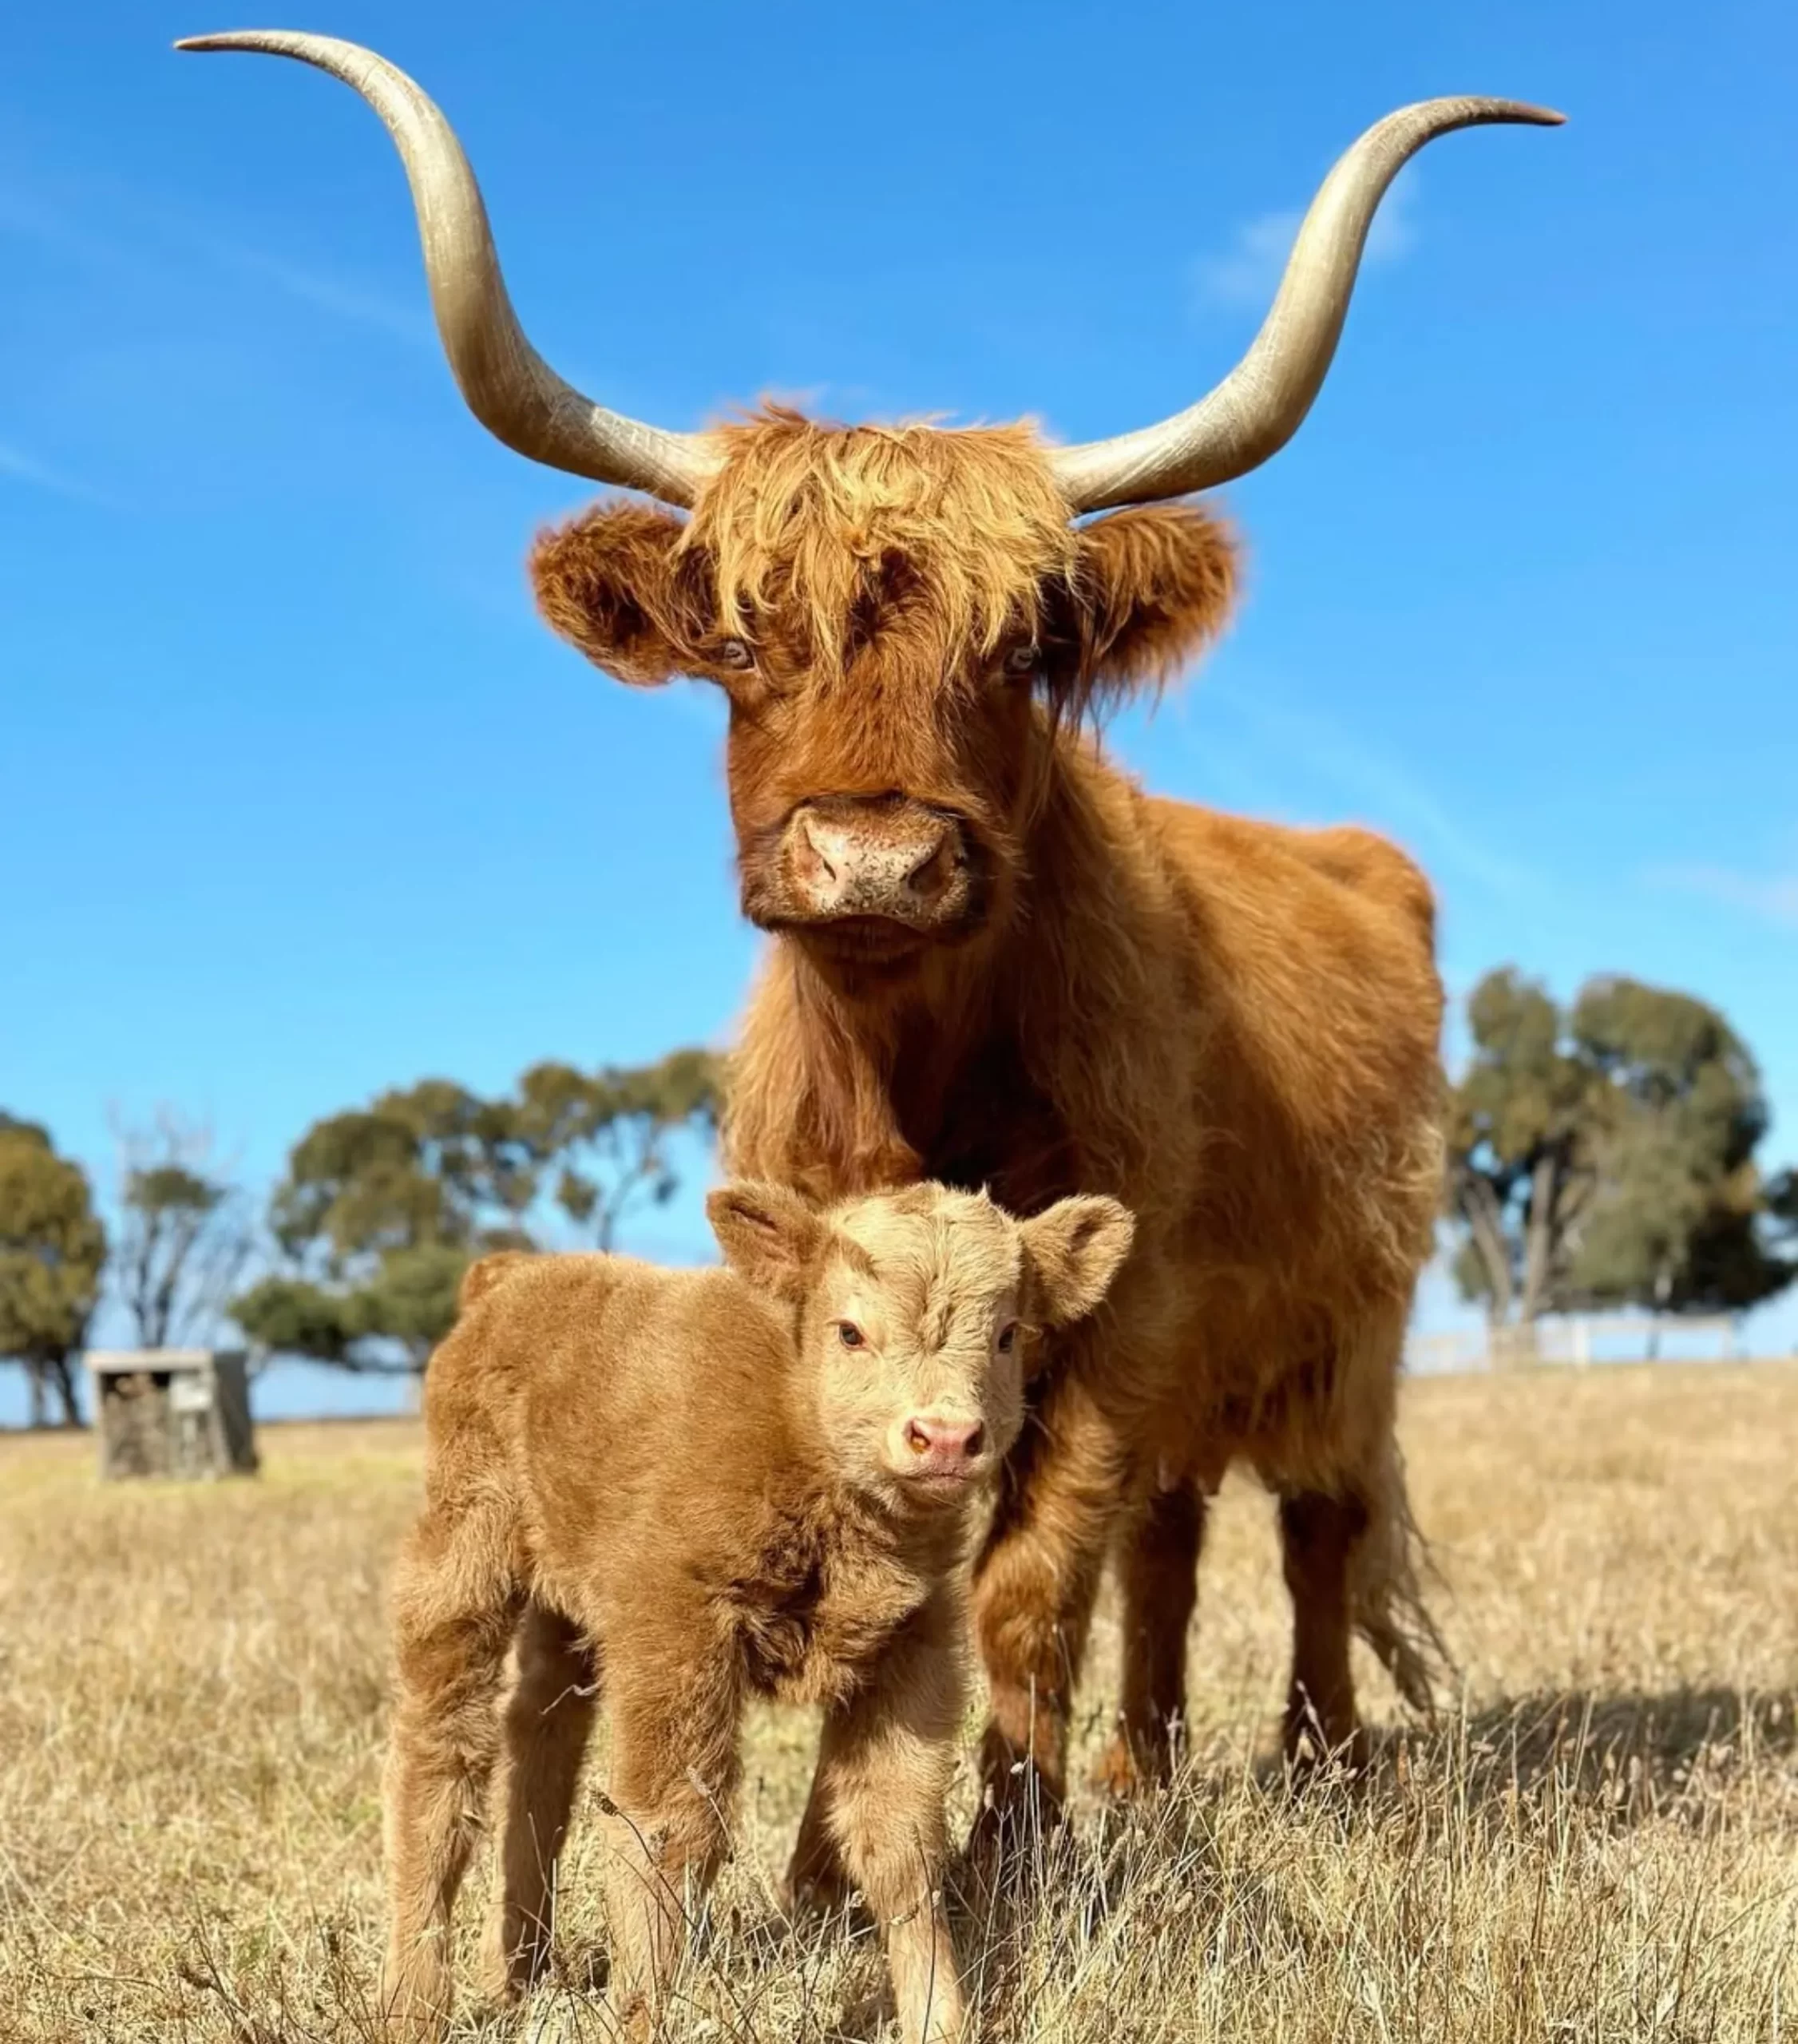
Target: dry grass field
[{"x": 1599, "y": 1842}]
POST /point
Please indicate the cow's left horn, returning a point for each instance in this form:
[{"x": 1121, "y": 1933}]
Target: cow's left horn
[
  {"x": 1260, "y": 405},
  {"x": 510, "y": 387}
]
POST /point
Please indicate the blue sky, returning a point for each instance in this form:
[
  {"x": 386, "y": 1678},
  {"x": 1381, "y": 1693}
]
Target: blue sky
[{"x": 299, "y": 799}]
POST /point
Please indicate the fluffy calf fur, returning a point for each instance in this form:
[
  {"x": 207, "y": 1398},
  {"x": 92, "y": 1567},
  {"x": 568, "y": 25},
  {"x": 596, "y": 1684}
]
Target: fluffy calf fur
[
  {"x": 1230, "y": 1027},
  {"x": 687, "y": 1488}
]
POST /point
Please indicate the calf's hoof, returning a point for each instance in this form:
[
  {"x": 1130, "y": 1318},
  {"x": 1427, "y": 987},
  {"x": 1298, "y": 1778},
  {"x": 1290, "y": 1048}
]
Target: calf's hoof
[
  {"x": 814, "y": 1891},
  {"x": 636, "y": 2019},
  {"x": 509, "y": 1971},
  {"x": 411, "y": 2014}
]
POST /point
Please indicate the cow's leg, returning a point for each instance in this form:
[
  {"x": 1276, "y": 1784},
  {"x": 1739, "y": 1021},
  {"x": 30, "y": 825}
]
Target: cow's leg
[
  {"x": 547, "y": 1723},
  {"x": 1318, "y": 1535},
  {"x": 1034, "y": 1588},
  {"x": 455, "y": 1608},
  {"x": 1158, "y": 1570},
  {"x": 673, "y": 1776}
]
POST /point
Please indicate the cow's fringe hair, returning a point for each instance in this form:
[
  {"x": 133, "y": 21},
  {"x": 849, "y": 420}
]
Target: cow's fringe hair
[{"x": 813, "y": 522}]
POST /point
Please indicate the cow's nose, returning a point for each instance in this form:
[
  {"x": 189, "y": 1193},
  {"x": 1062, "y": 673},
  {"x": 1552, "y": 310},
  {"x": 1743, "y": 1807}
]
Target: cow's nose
[
  {"x": 889, "y": 864},
  {"x": 943, "y": 1447}
]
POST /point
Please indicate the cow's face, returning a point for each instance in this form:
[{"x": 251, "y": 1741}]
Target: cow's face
[
  {"x": 899, "y": 618},
  {"x": 918, "y": 1314}
]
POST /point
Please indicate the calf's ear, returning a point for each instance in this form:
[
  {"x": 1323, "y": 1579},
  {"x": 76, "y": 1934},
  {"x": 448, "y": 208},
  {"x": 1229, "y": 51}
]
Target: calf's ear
[
  {"x": 1073, "y": 1251},
  {"x": 485, "y": 1272},
  {"x": 770, "y": 1236},
  {"x": 618, "y": 584}
]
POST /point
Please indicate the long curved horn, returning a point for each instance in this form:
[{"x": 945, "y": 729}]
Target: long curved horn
[
  {"x": 1260, "y": 405},
  {"x": 510, "y": 387}
]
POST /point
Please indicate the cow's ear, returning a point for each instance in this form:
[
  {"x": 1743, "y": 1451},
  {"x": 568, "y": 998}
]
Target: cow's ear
[
  {"x": 1149, "y": 588},
  {"x": 770, "y": 1236},
  {"x": 619, "y": 583},
  {"x": 1072, "y": 1251}
]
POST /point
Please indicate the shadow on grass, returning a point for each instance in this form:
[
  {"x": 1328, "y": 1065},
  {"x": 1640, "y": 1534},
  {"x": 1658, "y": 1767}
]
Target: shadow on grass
[{"x": 1627, "y": 1754}]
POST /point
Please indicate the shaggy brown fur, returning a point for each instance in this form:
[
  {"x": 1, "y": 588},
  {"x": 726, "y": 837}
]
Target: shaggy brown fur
[
  {"x": 1231, "y": 1027},
  {"x": 711, "y": 1485}
]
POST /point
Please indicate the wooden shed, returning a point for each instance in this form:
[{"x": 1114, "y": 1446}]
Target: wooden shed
[{"x": 172, "y": 1411}]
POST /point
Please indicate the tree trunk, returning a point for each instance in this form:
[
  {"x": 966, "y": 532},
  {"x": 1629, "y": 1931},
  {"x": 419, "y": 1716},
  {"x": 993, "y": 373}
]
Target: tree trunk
[
  {"x": 1539, "y": 1239},
  {"x": 62, "y": 1376},
  {"x": 35, "y": 1376},
  {"x": 1514, "y": 1346},
  {"x": 1663, "y": 1291},
  {"x": 1486, "y": 1222}
]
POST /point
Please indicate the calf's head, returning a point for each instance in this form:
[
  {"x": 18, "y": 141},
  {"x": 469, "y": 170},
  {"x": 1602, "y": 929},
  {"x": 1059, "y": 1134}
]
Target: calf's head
[
  {"x": 919, "y": 1315},
  {"x": 899, "y": 616}
]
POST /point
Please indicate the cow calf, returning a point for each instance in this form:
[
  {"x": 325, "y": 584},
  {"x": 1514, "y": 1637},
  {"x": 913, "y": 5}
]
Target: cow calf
[{"x": 689, "y": 1487}]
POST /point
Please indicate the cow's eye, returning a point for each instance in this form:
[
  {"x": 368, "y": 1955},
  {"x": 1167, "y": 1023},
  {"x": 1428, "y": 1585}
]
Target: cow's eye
[
  {"x": 850, "y": 1335},
  {"x": 735, "y": 653},
  {"x": 1007, "y": 1338},
  {"x": 1023, "y": 660}
]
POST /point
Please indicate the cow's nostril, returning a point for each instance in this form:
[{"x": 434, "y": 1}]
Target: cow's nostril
[
  {"x": 824, "y": 868},
  {"x": 933, "y": 872},
  {"x": 975, "y": 1442},
  {"x": 917, "y": 1438}
]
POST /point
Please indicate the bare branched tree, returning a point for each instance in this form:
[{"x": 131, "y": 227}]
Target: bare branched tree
[{"x": 185, "y": 1233}]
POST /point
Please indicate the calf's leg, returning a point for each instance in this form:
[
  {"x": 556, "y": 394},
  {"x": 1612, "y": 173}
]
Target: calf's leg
[
  {"x": 1317, "y": 1534},
  {"x": 885, "y": 1765},
  {"x": 1158, "y": 1569},
  {"x": 455, "y": 1607},
  {"x": 547, "y": 1723},
  {"x": 673, "y": 1778},
  {"x": 815, "y": 1876}
]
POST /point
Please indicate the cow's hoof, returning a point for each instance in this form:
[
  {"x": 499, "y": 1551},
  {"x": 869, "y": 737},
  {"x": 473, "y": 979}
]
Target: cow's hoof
[
  {"x": 1006, "y": 1846},
  {"x": 1313, "y": 1767}
]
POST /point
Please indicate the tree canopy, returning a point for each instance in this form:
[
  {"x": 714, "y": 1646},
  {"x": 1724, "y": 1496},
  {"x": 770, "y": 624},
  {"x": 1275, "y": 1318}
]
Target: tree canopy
[
  {"x": 382, "y": 1208},
  {"x": 606, "y": 1133},
  {"x": 1603, "y": 1155},
  {"x": 380, "y": 1211},
  {"x": 53, "y": 1251}
]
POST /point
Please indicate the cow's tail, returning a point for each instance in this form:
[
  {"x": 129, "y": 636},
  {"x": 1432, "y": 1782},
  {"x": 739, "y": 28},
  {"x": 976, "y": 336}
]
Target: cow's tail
[{"x": 1386, "y": 1574}]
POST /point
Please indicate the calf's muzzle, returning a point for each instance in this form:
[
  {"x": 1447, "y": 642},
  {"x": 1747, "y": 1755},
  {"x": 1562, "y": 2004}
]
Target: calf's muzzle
[{"x": 938, "y": 1447}]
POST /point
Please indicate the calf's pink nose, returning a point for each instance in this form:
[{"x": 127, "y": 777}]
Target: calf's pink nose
[{"x": 944, "y": 1443}]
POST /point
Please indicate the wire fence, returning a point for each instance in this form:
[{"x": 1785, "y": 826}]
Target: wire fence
[{"x": 1579, "y": 1342}]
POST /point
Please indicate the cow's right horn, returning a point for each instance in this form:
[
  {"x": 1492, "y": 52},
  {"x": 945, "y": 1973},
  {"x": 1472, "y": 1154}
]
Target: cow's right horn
[
  {"x": 1262, "y": 403},
  {"x": 510, "y": 387}
]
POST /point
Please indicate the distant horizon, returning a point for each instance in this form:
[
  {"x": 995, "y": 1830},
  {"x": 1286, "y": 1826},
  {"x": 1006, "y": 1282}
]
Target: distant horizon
[{"x": 352, "y": 1395}]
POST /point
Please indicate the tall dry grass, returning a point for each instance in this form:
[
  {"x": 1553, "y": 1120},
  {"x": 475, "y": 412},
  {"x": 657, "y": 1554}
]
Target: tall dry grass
[{"x": 1600, "y": 1842}]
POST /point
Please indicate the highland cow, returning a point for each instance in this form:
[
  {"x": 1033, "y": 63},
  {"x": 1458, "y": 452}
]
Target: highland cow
[
  {"x": 998, "y": 964},
  {"x": 687, "y": 1488}
]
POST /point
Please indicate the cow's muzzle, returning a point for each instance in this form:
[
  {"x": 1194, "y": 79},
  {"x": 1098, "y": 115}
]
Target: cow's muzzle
[{"x": 885, "y": 859}]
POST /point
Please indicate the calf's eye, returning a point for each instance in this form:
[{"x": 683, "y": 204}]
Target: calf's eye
[
  {"x": 735, "y": 653},
  {"x": 849, "y": 1334},
  {"x": 1007, "y": 1338},
  {"x": 1021, "y": 660}
]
